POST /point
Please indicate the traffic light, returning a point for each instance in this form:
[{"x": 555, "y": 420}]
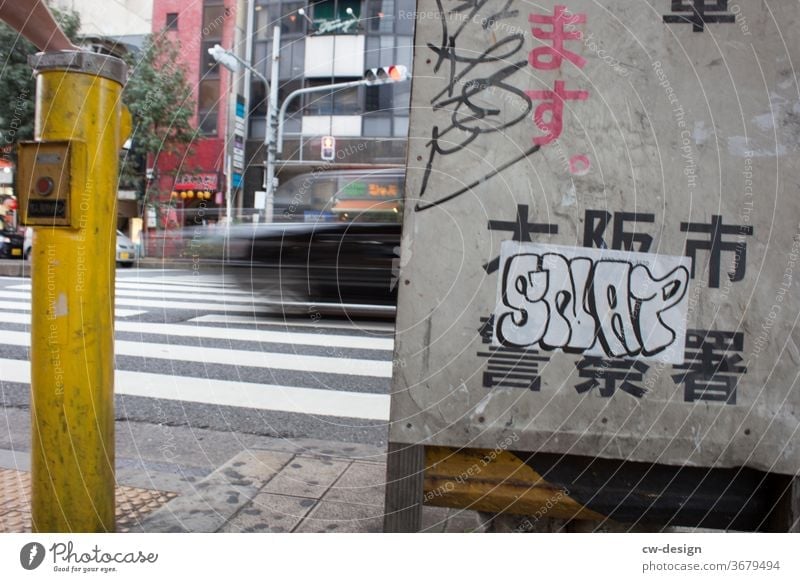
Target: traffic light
[
  {"x": 328, "y": 148},
  {"x": 389, "y": 74}
]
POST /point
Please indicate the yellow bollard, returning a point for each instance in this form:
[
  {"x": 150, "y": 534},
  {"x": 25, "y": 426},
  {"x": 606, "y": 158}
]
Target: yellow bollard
[{"x": 67, "y": 179}]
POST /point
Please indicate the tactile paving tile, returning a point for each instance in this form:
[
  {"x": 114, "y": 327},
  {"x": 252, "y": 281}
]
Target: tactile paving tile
[{"x": 133, "y": 503}]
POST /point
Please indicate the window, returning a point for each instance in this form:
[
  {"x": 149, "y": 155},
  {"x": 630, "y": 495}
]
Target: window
[
  {"x": 287, "y": 87},
  {"x": 284, "y": 14},
  {"x": 339, "y": 102},
  {"x": 332, "y": 16},
  {"x": 213, "y": 21},
  {"x": 379, "y": 99},
  {"x": 172, "y": 21},
  {"x": 380, "y": 16},
  {"x": 291, "y": 21},
  {"x": 258, "y": 98},
  {"x": 208, "y": 122},
  {"x": 208, "y": 95},
  {"x": 210, "y": 66}
]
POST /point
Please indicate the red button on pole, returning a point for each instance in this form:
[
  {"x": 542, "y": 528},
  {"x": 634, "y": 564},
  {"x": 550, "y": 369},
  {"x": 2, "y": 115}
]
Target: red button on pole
[{"x": 44, "y": 186}]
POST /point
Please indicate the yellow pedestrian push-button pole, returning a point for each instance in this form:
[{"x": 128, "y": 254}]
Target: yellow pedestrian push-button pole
[{"x": 67, "y": 182}]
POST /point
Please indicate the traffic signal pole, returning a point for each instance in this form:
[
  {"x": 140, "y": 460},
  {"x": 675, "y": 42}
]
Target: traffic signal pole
[
  {"x": 67, "y": 180},
  {"x": 372, "y": 77}
]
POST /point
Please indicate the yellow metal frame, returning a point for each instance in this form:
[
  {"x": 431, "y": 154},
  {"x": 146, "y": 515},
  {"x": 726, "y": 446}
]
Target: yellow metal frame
[
  {"x": 72, "y": 349},
  {"x": 496, "y": 482}
]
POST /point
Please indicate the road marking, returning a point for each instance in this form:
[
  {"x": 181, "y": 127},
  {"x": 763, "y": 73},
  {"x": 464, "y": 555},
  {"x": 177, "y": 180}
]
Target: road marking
[
  {"x": 228, "y": 333},
  {"x": 227, "y": 393},
  {"x": 152, "y": 303},
  {"x": 204, "y": 355},
  {"x": 146, "y": 286},
  {"x": 185, "y": 292},
  {"x": 333, "y": 324},
  {"x": 26, "y": 306}
]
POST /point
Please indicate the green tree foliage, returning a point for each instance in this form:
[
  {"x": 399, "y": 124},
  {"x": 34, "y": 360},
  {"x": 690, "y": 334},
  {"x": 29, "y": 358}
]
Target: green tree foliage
[
  {"x": 17, "y": 84},
  {"x": 160, "y": 101}
]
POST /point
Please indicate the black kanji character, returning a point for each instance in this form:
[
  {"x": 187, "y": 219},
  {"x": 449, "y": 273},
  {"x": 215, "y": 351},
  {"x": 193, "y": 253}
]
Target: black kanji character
[
  {"x": 605, "y": 374},
  {"x": 710, "y": 370},
  {"x": 596, "y": 222},
  {"x": 716, "y": 247},
  {"x": 521, "y": 229},
  {"x": 702, "y": 12},
  {"x": 509, "y": 367}
]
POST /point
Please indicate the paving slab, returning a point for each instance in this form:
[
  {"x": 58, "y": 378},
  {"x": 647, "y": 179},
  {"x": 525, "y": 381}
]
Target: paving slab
[
  {"x": 307, "y": 477},
  {"x": 329, "y": 517},
  {"x": 268, "y": 512},
  {"x": 361, "y": 484},
  {"x": 220, "y": 496}
]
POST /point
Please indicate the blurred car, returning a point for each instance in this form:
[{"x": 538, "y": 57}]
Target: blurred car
[
  {"x": 330, "y": 262},
  {"x": 11, "y": 243},
  {"x": 125, "y": 251}
]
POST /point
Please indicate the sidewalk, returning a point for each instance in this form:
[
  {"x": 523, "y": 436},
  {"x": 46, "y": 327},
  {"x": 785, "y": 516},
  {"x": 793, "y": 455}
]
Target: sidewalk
[{"x": 269, "y": 485}]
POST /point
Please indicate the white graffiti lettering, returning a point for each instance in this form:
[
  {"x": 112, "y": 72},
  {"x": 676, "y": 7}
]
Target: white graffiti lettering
[{"x": 591, "y": 301}]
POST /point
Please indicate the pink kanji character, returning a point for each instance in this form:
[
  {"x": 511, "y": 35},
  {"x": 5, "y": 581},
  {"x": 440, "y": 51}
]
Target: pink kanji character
[
  {"x": 563, "y": 28},
  {"x": 553, "y": 103}
]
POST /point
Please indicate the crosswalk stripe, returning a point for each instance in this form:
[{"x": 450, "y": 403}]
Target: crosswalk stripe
[
  {"x": 26, "y": 306},
  {"x": 289, "y": 338},
  {"x": 153, "y": 303},
  {"x": 216, "y": 280},
  {"x": 233, "y": 334},
  {"x": 189, "y": 293},
  {"x": 228, "y": 393},
  {"x": 147, "y": 286},
  {"x": 228, "y": 290},
  {"x": 322, "y": 323},
  {"x": 294, "y": 362}
]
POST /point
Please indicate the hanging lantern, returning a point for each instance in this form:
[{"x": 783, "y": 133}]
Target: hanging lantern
[
  {"x": 190, "y": 194},
  {"x": 183, "y": 194},
  {"x": 173, "y": 194}
]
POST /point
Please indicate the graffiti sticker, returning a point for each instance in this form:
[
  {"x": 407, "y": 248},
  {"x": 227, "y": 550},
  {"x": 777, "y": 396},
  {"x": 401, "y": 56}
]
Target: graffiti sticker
[{"x": 596, "y": 302}]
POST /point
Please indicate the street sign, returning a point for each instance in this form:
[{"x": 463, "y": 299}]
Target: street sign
[
  {"x": 238, "y": 143},
  {"x": 602, "y": 232}
]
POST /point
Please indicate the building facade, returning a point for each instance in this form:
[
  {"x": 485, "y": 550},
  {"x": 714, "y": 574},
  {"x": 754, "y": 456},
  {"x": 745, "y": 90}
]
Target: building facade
[
  {"x": 322, "y": 43},
  {"x": 190, "y": 189}
]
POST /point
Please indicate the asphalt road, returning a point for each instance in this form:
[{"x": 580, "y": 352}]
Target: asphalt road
[{"x": 194, "y": 350}]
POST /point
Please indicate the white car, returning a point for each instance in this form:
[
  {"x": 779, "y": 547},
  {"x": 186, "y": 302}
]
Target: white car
[{"x": 126, "y": 250}]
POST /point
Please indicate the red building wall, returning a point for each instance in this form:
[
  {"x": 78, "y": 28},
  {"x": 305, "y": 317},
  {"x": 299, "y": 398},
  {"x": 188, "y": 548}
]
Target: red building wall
[{"x": 207, "y": 153}]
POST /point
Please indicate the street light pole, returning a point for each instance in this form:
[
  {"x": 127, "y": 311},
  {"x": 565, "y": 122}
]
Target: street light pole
[
  {"x": 271, "y": 131},
  {"x": 232, "y": 62}
]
